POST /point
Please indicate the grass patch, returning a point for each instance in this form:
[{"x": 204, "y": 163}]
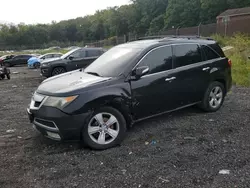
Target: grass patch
[{"x": 239, "y": 56}]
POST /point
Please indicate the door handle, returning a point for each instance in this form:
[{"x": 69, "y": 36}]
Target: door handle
[
  {"x": 205, "y": 69},
  {"x": 170, "y": 79}
]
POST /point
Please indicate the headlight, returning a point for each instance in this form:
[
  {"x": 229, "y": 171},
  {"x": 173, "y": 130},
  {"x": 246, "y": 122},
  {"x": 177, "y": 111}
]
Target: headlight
[
  {"x": 59, "y": 102},
  {"x": 45, "y": 64}
]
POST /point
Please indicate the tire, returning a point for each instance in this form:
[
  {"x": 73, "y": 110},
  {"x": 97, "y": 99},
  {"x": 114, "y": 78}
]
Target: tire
[
  {"x": 209, "y": 103},
  {"x": 8, "y": 76},
  {"x": 57, "y": 71},
  {"x": 118, "y": 129},
  {"x": 2, "y": 77},
  {"x": 36, "y": 65}
]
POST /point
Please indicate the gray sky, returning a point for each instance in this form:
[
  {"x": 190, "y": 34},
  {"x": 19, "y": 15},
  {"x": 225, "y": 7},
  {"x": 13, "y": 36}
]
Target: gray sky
[{"x": 44, "y": 11}]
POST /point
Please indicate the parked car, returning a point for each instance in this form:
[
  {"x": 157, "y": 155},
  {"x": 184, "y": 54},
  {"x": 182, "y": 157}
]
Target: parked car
[
  {"x": 17, "y": 60},
  {"x": 5, "y": 57},
  {"x": 34, "y": 62},
  {"x": 129, "y": 83},
  {"x": 74, "y": 59}
]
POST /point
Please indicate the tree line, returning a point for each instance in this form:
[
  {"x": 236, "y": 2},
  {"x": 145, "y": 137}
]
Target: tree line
[{"x": 139, "y": 17}]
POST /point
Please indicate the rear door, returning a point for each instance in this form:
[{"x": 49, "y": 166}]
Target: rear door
[{"x": 190, "y": 71}]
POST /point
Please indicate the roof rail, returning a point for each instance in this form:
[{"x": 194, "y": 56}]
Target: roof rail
[
  {"x": 189, "y": 37},
  {"x": 166, "y": 37},
  {"x": 152, "y": 37}
]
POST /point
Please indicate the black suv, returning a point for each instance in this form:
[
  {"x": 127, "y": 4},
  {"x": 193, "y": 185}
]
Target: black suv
[
  {"x": 129, "y": 83},
  {"x": 74, "y": 59}
]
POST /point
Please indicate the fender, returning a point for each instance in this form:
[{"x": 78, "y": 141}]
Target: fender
[{"x": 115, "y": 95}]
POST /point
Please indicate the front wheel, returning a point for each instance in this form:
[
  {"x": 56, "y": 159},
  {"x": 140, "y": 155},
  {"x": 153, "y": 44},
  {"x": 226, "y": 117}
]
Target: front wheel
[
  {"x": 57, "y": 71},
  {"x": 8, "y": 76},
  {"x": 105, "y": 129},
  {"x": 214, "y": 97},
  {"x": 36, "y": 65}
]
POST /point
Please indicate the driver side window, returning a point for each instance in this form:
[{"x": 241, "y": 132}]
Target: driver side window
[
  {"x": 78, "y": 54},
  {"x": 158, "y": 60}
]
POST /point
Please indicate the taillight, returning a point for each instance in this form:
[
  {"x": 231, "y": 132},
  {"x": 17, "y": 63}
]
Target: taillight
[{"x": 229, "y": 62}]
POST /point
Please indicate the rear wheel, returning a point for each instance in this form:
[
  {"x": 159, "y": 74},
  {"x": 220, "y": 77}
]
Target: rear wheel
[
  {"x": 2, "y": 76},
  {"x": 105, "y": 129},
  {"x": 214, "y": 97},
  {"x": 57, "y": 71}
]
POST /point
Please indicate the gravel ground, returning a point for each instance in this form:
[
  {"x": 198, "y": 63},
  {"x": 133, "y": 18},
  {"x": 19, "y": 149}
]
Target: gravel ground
[{"x": 187, "y": 148}]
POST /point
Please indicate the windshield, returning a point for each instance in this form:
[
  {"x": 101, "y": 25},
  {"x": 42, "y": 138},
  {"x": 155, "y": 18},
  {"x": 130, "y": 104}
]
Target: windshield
[
  {"x": 68, "y": 53},
  {"x": 41, "y": 56},
  {"x": 113, "y": 62}
]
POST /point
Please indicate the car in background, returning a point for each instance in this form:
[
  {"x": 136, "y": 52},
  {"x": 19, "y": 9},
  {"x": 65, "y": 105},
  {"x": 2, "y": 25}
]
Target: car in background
[
  {"x": 17, "y": 60},
  {"x": 34, "y": 62},
  {"x": 5, "y": 57},
  {"x": 74, "y": 59}
]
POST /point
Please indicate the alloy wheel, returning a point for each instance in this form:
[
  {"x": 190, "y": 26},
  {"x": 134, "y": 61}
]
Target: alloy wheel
[
  {"x": 215, "y": 97},
  {"x": 58, "y": 70},
  {"x": 103, "y": 128}
]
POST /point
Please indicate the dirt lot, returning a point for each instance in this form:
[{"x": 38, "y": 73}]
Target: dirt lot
[{"x": 182, "y": 149}]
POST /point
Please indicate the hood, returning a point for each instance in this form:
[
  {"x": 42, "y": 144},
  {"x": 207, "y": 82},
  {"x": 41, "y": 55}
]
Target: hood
[
  {"x": 68, "y": 82},
  {"x": 51, "y": 60},
  {"x": 33, "y": 60}
]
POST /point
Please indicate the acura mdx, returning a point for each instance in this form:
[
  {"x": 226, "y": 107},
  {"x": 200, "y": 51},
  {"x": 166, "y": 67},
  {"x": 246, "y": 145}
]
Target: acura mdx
[{"x": 129, "y": 83}]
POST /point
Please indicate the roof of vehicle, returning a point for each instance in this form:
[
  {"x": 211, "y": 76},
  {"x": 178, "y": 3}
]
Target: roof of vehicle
[
  {"x": 145, "y": 43},
  {"x": 93, "y": 48},
  {"x": 51, "y": 53}
]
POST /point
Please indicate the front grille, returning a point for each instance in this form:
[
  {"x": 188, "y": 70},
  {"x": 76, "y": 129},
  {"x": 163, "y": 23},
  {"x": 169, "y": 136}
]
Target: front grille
[
  {"x": 37, "y": 104},
  {"x": 46, "y": 123}
]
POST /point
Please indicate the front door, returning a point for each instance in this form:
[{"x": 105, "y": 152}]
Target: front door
[
  {"x": 78, "y": 57},
  {"x": 154, "y": 92},
  {"x": 90, "y": 56}
]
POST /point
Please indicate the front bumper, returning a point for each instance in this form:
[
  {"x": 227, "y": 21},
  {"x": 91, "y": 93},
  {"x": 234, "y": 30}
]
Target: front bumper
[
  {"x": 57, "y": 125},
  {"x": 45, "y": 71}
]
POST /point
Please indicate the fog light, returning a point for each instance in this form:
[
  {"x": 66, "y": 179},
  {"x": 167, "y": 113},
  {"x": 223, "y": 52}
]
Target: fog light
[{"x": 54, "y": 135}]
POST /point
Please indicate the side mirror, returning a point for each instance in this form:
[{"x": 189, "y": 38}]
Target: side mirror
[
  {"x": 140, "y": 71},
  {"x": 71, "y": 57}
]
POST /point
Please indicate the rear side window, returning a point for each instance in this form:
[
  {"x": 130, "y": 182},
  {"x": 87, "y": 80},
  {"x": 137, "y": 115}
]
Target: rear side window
[
  {"x": 158, "y": 60},
  {"x": 217, "y": 48},
  {"x": 209, "y": 53},
  {"x": 92, "y": 53},
  {"x": 186, "y": 54}
]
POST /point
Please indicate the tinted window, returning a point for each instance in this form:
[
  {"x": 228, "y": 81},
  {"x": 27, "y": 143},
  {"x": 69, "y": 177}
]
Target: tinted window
[
  {"x": 48, "y": 56},
  {"x": 186, "y": 54},
  {"x": 78, "y": 54},
  {"x": 113, "y": 62},
  {"x": 57, "y": 55},
  {"x": 158, "y": 60},
  {"x": 210, "y": 54},
  {"x": 92, "y": 53},
  {"x": 218, "y": 49}
]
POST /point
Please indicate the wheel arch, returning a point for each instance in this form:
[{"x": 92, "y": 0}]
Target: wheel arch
[{"x": 120, "y": 103}]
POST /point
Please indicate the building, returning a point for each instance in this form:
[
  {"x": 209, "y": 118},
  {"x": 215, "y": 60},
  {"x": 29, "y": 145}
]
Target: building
[{"x": 234, "y": 20}]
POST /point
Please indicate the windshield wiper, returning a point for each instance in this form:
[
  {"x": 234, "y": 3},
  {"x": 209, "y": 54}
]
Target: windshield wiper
[{"x": 93, "y": 73}]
